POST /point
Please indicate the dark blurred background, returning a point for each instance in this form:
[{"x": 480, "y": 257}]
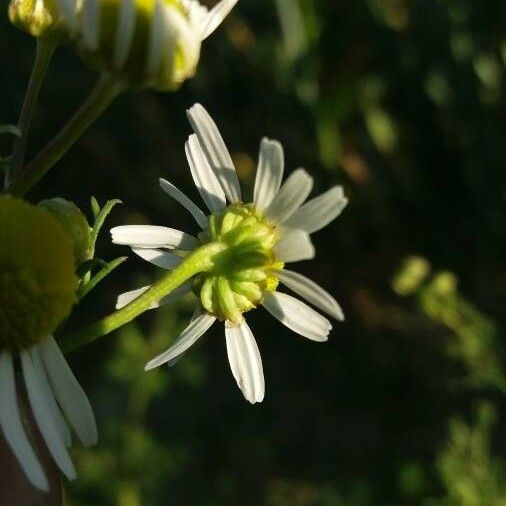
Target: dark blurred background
[{"x": 403, "y": 103}]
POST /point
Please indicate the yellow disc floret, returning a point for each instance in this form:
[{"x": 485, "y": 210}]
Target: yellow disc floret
[
  {"x": 37, "y": 279},
  {"x": 242, "y": 273}
]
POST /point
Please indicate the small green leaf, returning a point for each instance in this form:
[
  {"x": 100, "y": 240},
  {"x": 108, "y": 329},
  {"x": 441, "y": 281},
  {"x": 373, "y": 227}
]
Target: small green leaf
[
  {"x": 89, "y": 265},
  {"x": 100, "y": 219},
  {"x": 95, "y": 207},
  {"x": 95, "y": 280},
  {"x": 10, "y": 129}
]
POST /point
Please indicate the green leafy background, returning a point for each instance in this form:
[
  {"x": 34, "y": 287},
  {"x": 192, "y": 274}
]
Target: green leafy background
[{"x": 403, "y": 103}]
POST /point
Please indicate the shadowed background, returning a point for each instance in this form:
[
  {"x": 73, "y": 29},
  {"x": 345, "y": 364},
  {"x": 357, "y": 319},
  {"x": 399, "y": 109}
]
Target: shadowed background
[{"x": 403, "y": 103}]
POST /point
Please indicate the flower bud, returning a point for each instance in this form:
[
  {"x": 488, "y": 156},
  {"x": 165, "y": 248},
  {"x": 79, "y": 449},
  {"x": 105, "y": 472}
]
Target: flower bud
[
  {"x": 242, "y": 273},
  {"x": 37, "y": 17},
  {"x": 37, "y": 280},
  {"x": 74, "y": 223},
  {"x": 144, "y": 43}
]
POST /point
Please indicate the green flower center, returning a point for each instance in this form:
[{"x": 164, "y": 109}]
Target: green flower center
[
  {"x": 242, "y": 273},
  {"x": 37, "y": 280}
]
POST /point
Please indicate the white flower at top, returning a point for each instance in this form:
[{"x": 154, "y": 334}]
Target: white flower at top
[
  {"x": 258, "y": 239},
  {"x": 37, "y": 291},
  {"x": 153, "y": 43}
]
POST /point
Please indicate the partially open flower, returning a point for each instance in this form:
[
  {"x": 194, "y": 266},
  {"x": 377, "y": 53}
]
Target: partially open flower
[
  {"x": 37, "y": 292},
  {"x": 253, "y": 243},
  {"x": 145, "y": 43}
]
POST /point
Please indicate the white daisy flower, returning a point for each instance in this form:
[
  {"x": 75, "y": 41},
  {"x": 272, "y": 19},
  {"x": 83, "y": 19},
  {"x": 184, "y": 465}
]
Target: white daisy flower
[
  {"x": 258, "y": 239},
  {"x": 153, "y": 43},
  {"x": 37, "y": 291}
]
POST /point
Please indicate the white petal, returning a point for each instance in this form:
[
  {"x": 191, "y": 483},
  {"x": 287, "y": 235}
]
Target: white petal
[
  {"x": 180, "y": 197},
  {"x": 71, "y": 397},
  {"x": 44, "y": 418},
  {"x": 152, "y": 236},
  {"x": 205, "y": 179},
  {"x": 245, "y": 361},
  {"x": 68, "y": 11},
  {"x": 297, "y": 316},
  {"x": 90, "y": 23},
  {"x": 157, "y": 257},
  {"x": 125, "y": 298},
  {"x": 293, "y": 193},
  {"x": 311, "y": 292},
  {"x": 294, "y": 246},
  {"x": 125, "y": 32},
  {"x": 271, "y": 164},
  {"x": 188, "y": 337},
  {"x": 216, "y": 151},
  {"x": 49, "y": 399},
  {"x": 215, "y": 17},
  {"x": 319, "y": 212},
  {"x": 156, "y": 40},
  {"x": 12, "y": 426}
]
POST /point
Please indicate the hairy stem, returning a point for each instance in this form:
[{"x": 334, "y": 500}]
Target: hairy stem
[
  {"x": 201, "y": 260},
  {"x": 106, "y": 90}
]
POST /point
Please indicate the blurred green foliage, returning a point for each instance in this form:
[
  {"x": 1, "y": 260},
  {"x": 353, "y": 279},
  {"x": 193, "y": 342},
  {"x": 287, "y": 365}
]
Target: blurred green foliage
[{"x": 402, "y": 102}]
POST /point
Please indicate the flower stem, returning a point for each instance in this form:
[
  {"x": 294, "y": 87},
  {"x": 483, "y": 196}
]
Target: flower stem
[
  {"x": 44, "y": 52},
  {"x": 105, "y": 91},
  {"x": 201, "y": 260}
]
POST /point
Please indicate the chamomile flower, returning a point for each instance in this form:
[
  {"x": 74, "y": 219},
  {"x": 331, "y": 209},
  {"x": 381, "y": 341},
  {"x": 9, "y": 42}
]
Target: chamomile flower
[
  {"x": 257, "y": 240},
  {"x": 146, "y": 43},
  {"x": 37, "y": 292}
]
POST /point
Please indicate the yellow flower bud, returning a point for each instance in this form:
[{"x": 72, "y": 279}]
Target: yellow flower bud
[
  {"x": 37, "y": 17},
  {"x": 37, "y": 280}
]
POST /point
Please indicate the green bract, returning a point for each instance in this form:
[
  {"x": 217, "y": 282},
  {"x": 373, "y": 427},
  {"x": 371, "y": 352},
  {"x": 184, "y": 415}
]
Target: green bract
[
  {"x": 37, "y": 280},
  {"x": 74, "y": 223},
  {"x": 242, "y": 273}
]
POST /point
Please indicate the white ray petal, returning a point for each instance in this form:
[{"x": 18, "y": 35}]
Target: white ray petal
[
  {"x": 204, "y": 177},
  {"x": 319, "y": 212},
  {"x": 157, "y": 257},
  {"x": 71, "y": 397},
  {"x": 12, "y": 426},
  {"x": 68, "y": 11},
  {"x": 156, "y": 40},
  {"x": 125, "y": 32},
  {"x": 49, "y": 399},
  {"x": 271, "y": 164},
  {"x": 152, "y": 236},
  {"x": 312, "y": 292},
  {"x": 90, "y": 23},
  {"x": 125, "y": 298},
  {"x": 188, "y": 337},
  {"x": 294, "y": 246},
  {"x": 216, "y": 151},
  {"x": 245, "y": 361},
  {"x": 292, "y": 194},
  {"x": 215, "y": 17},
  {"x": 43, "y": 417},
  {"x": 297, "y": 316},
  {"x": 180, "y": 197}
]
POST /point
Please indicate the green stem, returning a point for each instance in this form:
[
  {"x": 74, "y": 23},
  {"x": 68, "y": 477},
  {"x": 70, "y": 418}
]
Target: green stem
[
  {"x": 201, "y": 260},
  {"x": 106, "y": 90},
  {"x": 43, "y": 55}
]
